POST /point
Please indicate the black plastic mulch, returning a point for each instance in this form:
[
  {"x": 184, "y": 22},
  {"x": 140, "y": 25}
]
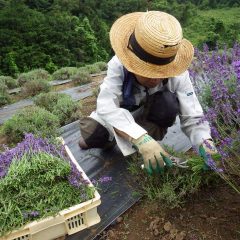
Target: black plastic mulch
[{"x": 118, "y": 195}]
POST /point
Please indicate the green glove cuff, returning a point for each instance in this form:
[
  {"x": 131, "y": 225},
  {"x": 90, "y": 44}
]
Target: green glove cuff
[
  {"x": 150, "y": 170},
  {"x": 167, "y": 160},
  {"x": 203, "y": 154}
]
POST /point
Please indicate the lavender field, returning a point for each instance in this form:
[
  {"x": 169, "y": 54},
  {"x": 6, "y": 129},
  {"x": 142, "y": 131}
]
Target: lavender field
[{"x": 216, "y": 78}]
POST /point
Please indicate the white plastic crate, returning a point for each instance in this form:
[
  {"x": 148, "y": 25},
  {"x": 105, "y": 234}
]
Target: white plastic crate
[{"x": 68, "y": 221}]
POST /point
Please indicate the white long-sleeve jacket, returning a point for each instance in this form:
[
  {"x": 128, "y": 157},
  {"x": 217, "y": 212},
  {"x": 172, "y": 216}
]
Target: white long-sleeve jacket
[{"x": 111, "y": 115}]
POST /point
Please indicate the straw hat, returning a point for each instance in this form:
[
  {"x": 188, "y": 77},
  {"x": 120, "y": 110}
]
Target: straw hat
[{"x": 150, "y": 44}]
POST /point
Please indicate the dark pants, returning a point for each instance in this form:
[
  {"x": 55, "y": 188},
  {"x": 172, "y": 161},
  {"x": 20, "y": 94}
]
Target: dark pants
[{"x": 159, "y": 113}]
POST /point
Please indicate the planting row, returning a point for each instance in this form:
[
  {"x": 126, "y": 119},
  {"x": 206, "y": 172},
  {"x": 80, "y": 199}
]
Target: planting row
[
  {"x": 51, "y": 111},
  {"x": 36, "y": 81}
]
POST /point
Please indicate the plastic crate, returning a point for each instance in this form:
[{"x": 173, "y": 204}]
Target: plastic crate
[{"x": 68, "y": 221}]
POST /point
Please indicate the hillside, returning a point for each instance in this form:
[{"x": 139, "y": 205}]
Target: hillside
[{"x": 214, "y": 26}]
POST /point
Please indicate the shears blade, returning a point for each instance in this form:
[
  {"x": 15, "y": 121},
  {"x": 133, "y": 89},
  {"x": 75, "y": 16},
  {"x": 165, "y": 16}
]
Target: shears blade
[{"x": 178, "y": 162}]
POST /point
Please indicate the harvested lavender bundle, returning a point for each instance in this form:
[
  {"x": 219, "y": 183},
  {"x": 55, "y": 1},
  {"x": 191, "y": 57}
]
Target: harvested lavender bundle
[{"x": 38, "y": 180}]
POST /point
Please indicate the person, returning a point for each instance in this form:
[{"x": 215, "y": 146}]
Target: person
[{"x": 146, "y": 87}]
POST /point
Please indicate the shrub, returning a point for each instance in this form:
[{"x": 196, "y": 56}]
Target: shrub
[
  {"x": 66, "y": 110},
  {"x": 33, "y": 75},
  {"x": 101, "y": 65},
  {"x": 96, "y": 91},
  {"x": 34, "y": 120},
  {"x": 33, "y": 87},
  {"x": 4, "y": 96},
  {"x": 59, "y": 104},
  {"x": 221, "y": 102},
  {"x": 64, "y": 73},
  {"x": 47, "y": 100},
  {"x": 93, "y": 68},
  {"x": 9, "y": 81},
  {"x": 82, "y": 77},
  {"x": 172, "y": 188}
]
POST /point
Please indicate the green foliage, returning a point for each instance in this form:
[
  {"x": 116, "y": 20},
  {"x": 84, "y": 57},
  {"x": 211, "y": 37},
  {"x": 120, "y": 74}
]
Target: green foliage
[
  {"x": 34, "y": 75},
  {"x": 101, "y": 65},
  {"x": 54, "y": 34},
  {"x": 82, "y": 77},
  {"x": 48, "y": 100},
  {"x": 66, "y": 110},
  {"x": 213, "y": 27},
  {"x": 49, "y": 38},
  {"x": 96, "y": 91},
  {"x": 51, "y": 67},
  {"x": 40, "y": 190},
  {"x": 9, "y": 81},
  {"x": 4, "y": 96},
  {"x": 64, "y": 73},
  {"x": 93, "y": 68},
  {"x": 10, "y": 62},
  {"x": 34, "y": 87},
  {"x": 166, "y": 193},
  {"x": 31, "y": 120},
  {"x": 206, "y": 98},
  {"x": 89, "y": 42},
  {"x": 184, "y": 12},
  {"x": 175, "y": 185},
  {"x": 60, "y": 105}
]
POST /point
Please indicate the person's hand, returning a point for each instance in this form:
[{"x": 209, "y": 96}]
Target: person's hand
[
  {"x": 209, "y": 147},
  {"x": 209, "y": 153},
  {"x": 154, "y": 156}
]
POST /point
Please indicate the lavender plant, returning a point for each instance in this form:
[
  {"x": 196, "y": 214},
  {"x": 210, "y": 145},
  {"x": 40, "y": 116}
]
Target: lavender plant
[
  {"x": 216, "y": 77},
  {"x": 37, "y": 180},
  {"x": 176, "y": 184}
]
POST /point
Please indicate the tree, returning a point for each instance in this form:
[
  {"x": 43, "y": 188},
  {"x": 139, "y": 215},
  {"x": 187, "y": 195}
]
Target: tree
[{"x": 88, "y": 41}]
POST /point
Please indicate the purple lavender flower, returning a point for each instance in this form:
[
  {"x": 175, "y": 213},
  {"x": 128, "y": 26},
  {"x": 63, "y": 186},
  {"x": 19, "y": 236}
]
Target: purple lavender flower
[
  {"x": 212, "y": 164},
  {"x": 104, "y": 179},
  {"x": 31, "y": 214},
  {"x": 219, "y": 72},
  {"x": 32, "y": 145},
  {"x": 34, "y": 214}
]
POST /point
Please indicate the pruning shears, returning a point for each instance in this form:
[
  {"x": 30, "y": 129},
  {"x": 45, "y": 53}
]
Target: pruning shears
[
  {"x": 173, "y": 161},
  {"x": 178, "y": 162}
]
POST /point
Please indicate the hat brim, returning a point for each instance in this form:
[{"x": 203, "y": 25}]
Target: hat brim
[{"x": 119, "y": 37}]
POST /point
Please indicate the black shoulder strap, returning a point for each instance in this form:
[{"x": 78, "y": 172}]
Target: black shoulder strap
[{"x": 165, "y": 81}]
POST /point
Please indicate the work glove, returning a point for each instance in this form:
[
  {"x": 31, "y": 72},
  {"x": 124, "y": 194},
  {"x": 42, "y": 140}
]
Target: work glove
[
  {"x": 154, "y": 156},
  {"x": 209, "y": 153}
]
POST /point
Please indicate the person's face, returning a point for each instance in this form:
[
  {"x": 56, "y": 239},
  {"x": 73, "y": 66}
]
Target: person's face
[{"x": 148, "y": 82}]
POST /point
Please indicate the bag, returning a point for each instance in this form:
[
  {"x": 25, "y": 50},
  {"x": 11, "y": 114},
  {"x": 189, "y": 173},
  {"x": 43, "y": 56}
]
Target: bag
[{"x": 164, "y": 108}]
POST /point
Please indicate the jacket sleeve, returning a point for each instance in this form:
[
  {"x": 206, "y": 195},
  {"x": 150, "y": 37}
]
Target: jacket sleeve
[
  {"x": 108, "y": 107},
  {"x": 191, "y": 112}
]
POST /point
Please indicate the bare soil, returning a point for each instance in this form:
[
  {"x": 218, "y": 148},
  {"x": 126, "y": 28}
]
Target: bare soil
[
  {"x": 61, "y": 87},
  {"x": 88, "y": 105},
  {"x": 212, "y": 214}
]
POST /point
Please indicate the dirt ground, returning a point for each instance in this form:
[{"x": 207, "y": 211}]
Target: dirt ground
[{"x": 213, "y": 214}]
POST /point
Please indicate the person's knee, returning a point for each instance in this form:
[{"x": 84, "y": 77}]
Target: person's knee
[{"x": 94, "y": 135}]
